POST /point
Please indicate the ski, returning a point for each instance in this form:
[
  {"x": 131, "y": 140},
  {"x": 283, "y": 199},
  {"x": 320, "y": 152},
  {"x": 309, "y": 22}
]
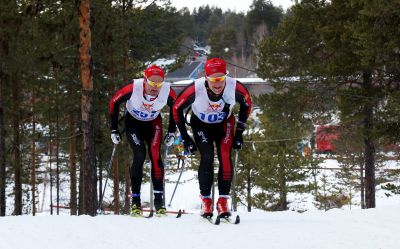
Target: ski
[
  {"x": 178, "y": 213},
  {"x": 151, "y": 214},
  {"x": 228, "y": 220},
  {"x": 154, "y": 214},
  {"x": 210, "y": 220}
]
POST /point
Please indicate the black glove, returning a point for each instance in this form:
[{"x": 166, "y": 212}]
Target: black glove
[
  {"x": 238, "y": 139},
  {"x": 189, "y": 145},
  {"x": 237, "y": 142}
]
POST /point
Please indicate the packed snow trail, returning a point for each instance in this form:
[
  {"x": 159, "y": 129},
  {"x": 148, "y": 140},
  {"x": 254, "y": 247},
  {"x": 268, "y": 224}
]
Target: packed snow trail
[{"x": 367, "y": 229}]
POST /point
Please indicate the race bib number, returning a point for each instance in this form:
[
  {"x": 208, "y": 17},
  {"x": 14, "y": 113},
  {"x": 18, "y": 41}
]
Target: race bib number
[
  {"x": 145, "y": 115},
  {"x": 214, "y": 117}
]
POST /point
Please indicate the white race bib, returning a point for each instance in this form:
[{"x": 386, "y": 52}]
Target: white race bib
[
  {"x": 212, "y": 111},
  {"x": 145, "y": 110}
]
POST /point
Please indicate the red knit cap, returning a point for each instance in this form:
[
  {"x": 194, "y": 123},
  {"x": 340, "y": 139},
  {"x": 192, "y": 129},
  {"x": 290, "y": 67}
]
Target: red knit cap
[
  {"x": 154, "y": 70},
  {"x": 215, "y": 65}
]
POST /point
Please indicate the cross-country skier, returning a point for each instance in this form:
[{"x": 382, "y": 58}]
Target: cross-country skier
[
  {"x": 212, "y": 99},
  {"x": 145, "y": 98}
]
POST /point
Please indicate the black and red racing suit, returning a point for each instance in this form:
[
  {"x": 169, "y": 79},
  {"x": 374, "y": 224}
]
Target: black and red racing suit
[
  {"x": 205, "y": 134},
  {"x": 140, "y": 132}
]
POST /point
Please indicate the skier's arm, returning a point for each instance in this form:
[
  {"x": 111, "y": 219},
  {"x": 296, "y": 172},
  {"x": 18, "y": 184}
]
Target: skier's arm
[
  {"x": 243, "y": 98},
  {"x": 184, "y": 100},
  {"x": 170, "y": 103},
  {"x": 119, "y": 97}
]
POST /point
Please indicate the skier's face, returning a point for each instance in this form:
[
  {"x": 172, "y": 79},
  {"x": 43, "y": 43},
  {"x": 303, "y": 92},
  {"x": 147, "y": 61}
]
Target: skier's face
[
  {"x": 153, "y": 85},
  {"x": 216, "y": 82}
]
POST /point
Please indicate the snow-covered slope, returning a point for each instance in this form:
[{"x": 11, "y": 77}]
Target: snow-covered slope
[
  {"x": 366, "y": 229},
  {"x": 355, "y": 228},
  {"x": 344, "y": 228}
]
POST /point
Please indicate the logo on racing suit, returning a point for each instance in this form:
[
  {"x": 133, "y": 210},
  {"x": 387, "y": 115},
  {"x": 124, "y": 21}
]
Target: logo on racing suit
[
  {"x": 214, "y": 107},
  {"x": 203, "y": 136},
  {"x": 228, "y": 133},
  {"x": 135, "y": 139},
  {"x": 147, "y": 107},
  {"x": 156, "y": 135}
]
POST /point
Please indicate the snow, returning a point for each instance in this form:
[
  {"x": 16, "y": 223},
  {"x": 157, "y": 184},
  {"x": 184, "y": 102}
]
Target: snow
[
  {"x": 367, "y": 229},
  {"x": 162, "y": 62},
  {"x": 336, "y": 228}
]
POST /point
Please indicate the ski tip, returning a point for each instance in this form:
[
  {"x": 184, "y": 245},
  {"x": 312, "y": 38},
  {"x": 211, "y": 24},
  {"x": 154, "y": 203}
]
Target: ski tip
[
  {"x": 150, "y": 215},
  {"x": 217, "y": 220},
  {"x": 237, "y": 219}
]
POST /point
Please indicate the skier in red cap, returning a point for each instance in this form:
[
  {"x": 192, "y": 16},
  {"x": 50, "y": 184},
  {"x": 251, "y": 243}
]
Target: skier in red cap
[
  {"x": 144, "y": 99},
  {"x": 212, "y": 99}
]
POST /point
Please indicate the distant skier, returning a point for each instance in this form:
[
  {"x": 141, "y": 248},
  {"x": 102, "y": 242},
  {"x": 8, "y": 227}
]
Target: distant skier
[
  {"x": 145, "y": 98},
  {"x": 212, "y": 99},
  {"x": 180, "y": 149}
]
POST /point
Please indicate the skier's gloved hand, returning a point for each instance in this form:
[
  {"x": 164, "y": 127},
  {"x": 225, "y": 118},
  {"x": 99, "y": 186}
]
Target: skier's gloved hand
[
  {"x": 238, "y": 139},
  {"x": 115, "y": 136},
  {"x": 189, "y": 145},
  {"x": 237, "y": 142},
  {"x": 169, "y": 139}
]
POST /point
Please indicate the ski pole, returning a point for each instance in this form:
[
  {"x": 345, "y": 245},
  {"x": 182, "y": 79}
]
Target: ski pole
[
  {"x": 176, "y": 185},
  {"x": 104, "y": 188},
  {"x": 165, "y": 172},
  {"x": 108, "y": 171},
  {"x": 151, "y": 195},
  {"x": 233, "y": 203}
]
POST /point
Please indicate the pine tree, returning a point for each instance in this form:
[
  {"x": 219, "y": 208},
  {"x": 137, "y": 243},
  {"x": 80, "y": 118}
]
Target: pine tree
[
  {"x": 90, "y": 198},
  {"x": 282, "y": 165},
  {"x": 332, "y": 45}
]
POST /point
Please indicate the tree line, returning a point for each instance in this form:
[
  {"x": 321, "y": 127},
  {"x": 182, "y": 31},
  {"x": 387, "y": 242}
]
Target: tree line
[
  {"x": 335, "y": 61},
  {"x": 327, "y": 60},
  {"x": 60, "y": 62}
]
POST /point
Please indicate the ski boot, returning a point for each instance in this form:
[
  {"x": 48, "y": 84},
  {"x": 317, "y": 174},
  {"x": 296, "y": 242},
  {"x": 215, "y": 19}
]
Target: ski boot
[
  {"x": 222, "y": 207},
  {"x": 206, "y": 207},
  {"x": 136, "y": 208},
  {"x": 159, "y": 205}
]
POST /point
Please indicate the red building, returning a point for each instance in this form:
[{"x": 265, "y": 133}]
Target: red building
[{"x": 325, "y": 138}]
